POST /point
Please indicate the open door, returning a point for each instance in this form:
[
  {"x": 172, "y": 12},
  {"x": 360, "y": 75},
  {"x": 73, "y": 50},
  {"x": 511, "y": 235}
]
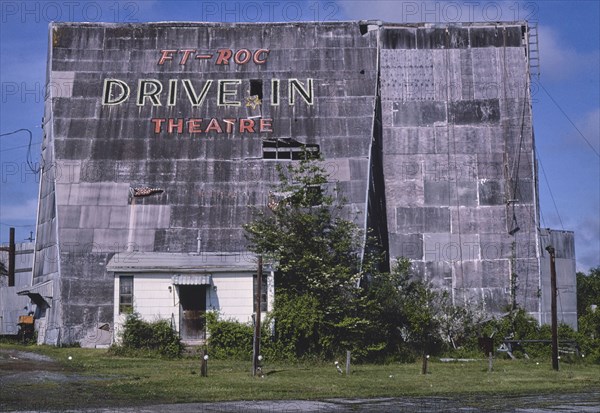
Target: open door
[{"x": 192, "y": 312}]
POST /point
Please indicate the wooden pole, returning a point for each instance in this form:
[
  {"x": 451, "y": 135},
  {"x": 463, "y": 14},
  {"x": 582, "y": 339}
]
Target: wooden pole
[
  {"x": 490, "y": 362},
  {"x": 550, "y": 249},
  {"x": 424, "y": 366},
  {"x": 348, "y": 363},
  {"x": 11, "y": 258},
  {"x": 256, "y": 347},
  {"x": 204, "y": 365}
]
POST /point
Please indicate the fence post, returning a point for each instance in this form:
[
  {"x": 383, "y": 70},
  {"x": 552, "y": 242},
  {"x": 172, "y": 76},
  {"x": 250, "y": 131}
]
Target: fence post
[
  {"x": 204, "y": 365},
  {"x": 347, "y": 363},
  {"x": 424, "y": 366}
]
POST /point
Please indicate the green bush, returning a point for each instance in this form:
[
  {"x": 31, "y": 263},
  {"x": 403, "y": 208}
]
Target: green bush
[
  {"x": 589, "y": 335},
  {"x": 519, "y": 325},
  {"x": 228, "y": 338},
  {"x": 297, "y": 326},
  {"x": 148, "y": 338}
]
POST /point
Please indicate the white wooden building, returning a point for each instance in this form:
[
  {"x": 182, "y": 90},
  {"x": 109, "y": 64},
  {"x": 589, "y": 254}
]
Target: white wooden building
[{"x": 181, "y": 288}]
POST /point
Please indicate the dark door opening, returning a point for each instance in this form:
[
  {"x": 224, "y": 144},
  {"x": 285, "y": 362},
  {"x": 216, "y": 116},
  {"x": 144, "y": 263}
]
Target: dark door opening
[{"x": 192, "y": 311}]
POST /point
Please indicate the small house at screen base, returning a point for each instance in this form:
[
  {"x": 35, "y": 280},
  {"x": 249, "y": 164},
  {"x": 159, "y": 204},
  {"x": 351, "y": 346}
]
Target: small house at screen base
[{"x": 183, "y": 287}]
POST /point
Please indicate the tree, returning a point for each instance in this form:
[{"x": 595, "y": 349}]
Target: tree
[
  {"x": 315, "y": 247},
  {"x": 329, "y": 296},
  {"x": 588, "y": 319},
  {"x": 413, "y": 318},
  {"x": 588, "y": 290},
  {"x": 318, "y": 254}
]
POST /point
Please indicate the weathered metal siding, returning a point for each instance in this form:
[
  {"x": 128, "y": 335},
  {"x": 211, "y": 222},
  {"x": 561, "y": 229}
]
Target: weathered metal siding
[
  {"x": 429, "y": 125},
  {"x": 12, "y": 305},
  {"x": 457, "y": 138},
  {"x": 210, "y": 182},
  {"x": 566, "y": 278}
]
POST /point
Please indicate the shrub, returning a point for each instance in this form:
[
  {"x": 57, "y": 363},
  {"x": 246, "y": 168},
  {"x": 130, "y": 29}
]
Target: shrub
[
  {"x": 589, "y": 335},
  {"x": 148, "y": 338},
  {"x": 297, "y": 322},
  {"x": 228, "y": 338}
]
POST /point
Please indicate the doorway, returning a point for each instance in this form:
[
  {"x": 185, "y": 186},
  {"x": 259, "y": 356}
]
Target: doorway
[{"x": 192, "y": 312}]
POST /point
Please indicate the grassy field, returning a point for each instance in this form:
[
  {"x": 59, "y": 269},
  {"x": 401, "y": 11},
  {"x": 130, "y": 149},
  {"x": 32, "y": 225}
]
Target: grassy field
[{"x": 93, "y": 378}]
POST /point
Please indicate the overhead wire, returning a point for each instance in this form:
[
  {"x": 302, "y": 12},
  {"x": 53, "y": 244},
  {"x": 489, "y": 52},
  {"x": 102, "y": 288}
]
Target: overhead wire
[
  {"x": 18, "y": 147},
  {"x": 452, "y": 156},
  {"x": 28, "y": 158},
  {"x": 17, "y": 226},
  {"x": 569, "y": 119},
  {"x": 513, "y": 178}
]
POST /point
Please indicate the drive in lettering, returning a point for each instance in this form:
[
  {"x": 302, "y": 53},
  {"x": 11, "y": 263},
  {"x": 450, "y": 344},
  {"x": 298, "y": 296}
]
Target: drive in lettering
[{"x": 196, "y": 92}]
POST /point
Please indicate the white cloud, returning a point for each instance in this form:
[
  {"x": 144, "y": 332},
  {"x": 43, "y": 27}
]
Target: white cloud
[
  {"x": 10, "y": 213},
  {"x": 587, "y": 242},
  {"x": 589, "y": 125},
  {"x": 560, "y": 60}
]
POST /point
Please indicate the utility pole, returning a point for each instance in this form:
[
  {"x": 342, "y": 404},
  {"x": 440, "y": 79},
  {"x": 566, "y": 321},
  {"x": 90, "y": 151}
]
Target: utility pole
[
  {"x": 11, "y": 257},
  {"x": 551, "y": 251},
  {"x": 256, "y": 347}
]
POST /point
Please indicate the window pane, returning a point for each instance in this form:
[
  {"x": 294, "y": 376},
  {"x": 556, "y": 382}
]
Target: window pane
[
  {"x": 126, "y": 294},
  {"x": 126, "y": 299}
]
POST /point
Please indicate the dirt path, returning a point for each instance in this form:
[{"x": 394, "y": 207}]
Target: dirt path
[{"x": 26, "y": 367}]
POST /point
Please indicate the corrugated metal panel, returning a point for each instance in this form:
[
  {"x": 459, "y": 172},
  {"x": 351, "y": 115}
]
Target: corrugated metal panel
[
  {"x": 11, "y": 307},
  {"x": 45, "y": 289},
  {"x": 177, "y": 263},
  {"x": 186, "y": 279}
]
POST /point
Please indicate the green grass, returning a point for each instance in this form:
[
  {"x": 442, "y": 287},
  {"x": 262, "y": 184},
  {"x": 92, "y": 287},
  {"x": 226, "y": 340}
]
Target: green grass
[{"x": 103, "y": 380}]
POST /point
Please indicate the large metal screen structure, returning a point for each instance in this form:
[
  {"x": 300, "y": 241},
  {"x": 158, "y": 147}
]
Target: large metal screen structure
[{"x": 162, "y": 137}]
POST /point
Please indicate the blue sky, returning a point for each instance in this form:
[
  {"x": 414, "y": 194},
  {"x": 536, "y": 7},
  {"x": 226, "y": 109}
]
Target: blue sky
[{"x": 569, "y": 43}]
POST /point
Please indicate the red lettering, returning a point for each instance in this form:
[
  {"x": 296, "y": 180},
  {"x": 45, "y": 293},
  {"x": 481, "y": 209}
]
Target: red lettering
[
  {"x": 257, "y": 58},
  {"x": 246, "y": 125},
  {"x": 242, "y": 52},
  {"x": 229, "y": 122},
  {"x": 157, "y": 124},
  {"x": 166, "y": 55},
  {"x": 214, "y": 126},
  {"x": 194, "y": 126},
  {"x": 265, "y": 125},
  {"x": 223, "y": 57},
  {"x": 186, "y": 55},
  {"x": 175, "y": 123}
]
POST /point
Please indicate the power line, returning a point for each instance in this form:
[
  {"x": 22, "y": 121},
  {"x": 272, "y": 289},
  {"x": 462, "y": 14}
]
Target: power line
[
  {"x": 17, "y": 226},
  {"x": 28, "y": 160},
  {"x": 569, "y": 119},
  {"x": 19, "y": 147}
]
